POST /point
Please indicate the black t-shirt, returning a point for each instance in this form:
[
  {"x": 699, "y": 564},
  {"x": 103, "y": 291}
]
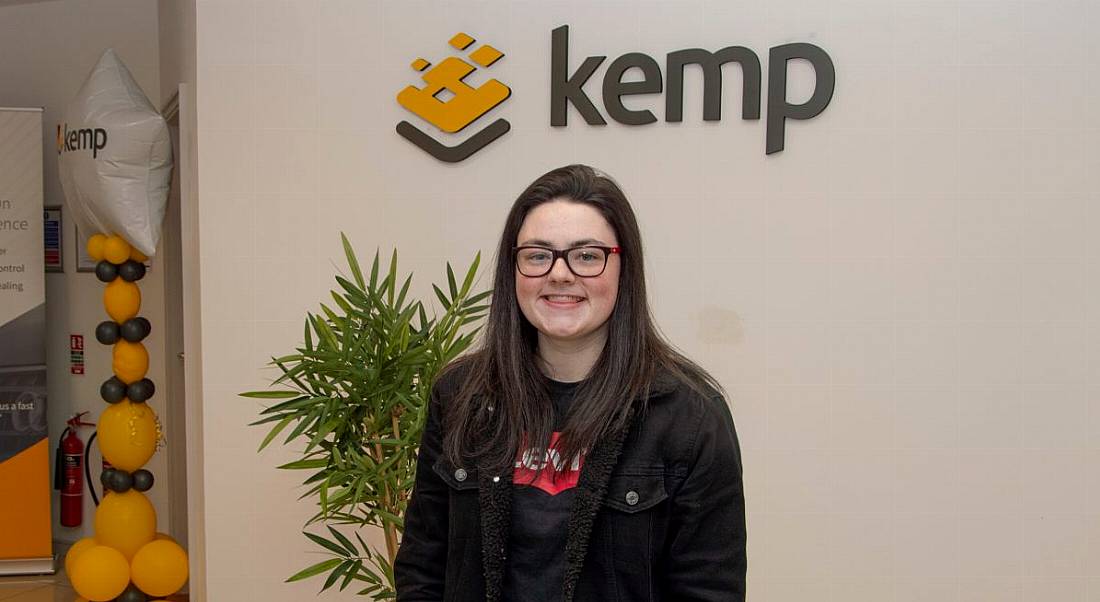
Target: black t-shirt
[{"x": 540, "y": 515}]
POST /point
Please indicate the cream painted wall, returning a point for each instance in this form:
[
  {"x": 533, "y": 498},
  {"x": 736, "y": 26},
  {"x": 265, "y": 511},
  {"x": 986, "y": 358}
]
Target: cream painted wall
[
  {"x": 902, "y": 304},
  {"x": 47, "y": 50},
  {"x": 178, "y": 58}
]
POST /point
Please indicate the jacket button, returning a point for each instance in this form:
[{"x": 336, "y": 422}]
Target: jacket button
[
  {"x": 496, "y": 479},
  {"x": 631, "y": 498},
  {"x": 460, "y": 474}
]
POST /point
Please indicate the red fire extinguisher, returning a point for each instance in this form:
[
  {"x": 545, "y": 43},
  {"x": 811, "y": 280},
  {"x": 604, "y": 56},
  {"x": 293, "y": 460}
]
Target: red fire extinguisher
[{"x": 69, "y": 475}]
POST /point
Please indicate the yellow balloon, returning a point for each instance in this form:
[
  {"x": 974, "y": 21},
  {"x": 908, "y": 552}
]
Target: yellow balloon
[
  {"x": 127, "y": 435},
  {"x": 78, "y": 548},
  {"x": 159, "y": 568},
  {"x": 125, "y": 521},
  {"x": 101, "y": 573},
  {"x": 122, "y": 300},
  {"x": 116, "y": 249},
  {"x": 95, "y": 246},
  {"x": 166, "y": 536},
  {"x": 138, "y": 255},
  {"x": 130, "y": 361}
]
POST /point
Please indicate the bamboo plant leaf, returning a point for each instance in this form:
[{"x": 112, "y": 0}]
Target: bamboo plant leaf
[
  {"x": 315, "y": 569},
  {"x": 353, "y": 262},
  {"x": 373, "y": 287},
  {"x": 470, "y": 274},
  {"x": 270, "y": 394},
  {"x": 350, "y": 547},
  {"x": 391, "y": 278},
  {"x": 451, "y": 282},
  {"x": 337, "y": 574},
  {"x": 278, "y": 428},
  {"x": 404, "y": 292},
  {"x": 442, "y": 298},
  {"x": 324, "y": 543}
]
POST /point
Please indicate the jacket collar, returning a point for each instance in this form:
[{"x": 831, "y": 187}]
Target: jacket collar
[
  {"x": 591, "y": 489},
  {"x": 495, "y": 501}
]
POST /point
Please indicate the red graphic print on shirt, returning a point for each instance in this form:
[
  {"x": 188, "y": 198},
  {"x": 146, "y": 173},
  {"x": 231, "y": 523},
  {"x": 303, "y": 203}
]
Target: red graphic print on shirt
[{"x": 533, "y": 459}]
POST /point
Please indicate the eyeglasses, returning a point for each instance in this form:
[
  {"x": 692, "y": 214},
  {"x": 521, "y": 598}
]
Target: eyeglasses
[{"x": 584, "y": 262}]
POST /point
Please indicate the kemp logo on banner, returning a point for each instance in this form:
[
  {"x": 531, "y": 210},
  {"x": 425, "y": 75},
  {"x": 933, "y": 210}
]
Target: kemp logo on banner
[{"x": 451, "y": 105}]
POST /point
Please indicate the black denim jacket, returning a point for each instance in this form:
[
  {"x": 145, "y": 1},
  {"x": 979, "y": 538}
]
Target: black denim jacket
[{"x": 659, "y": 513}]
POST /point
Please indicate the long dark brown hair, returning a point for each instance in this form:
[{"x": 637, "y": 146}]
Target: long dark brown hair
[{"x": 503, "y": 400}]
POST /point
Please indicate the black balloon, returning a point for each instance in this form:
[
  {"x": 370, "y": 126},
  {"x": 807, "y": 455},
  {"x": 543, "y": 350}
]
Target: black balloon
[
  {"x": 107, "y": 332},
  {"x": 140, "y": 391},
  {"x": 105, "y": 477},
  {"x": 121, "y": 481},
  {"x": 132, "y": 594},
  {"x": 132, "y": 271},
  {"x": 135, "y": 329},
  {"x": 112, "y": 390},
  {"x": 143, "y": 480},
  {"x": 106, "y": 271}
]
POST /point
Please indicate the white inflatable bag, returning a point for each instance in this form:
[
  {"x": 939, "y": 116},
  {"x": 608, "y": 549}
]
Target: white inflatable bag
[{"x": 115, "y": 157}]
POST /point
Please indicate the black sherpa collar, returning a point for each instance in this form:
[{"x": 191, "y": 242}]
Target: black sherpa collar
[
  {"x": 495, "y": 499},
  {"x": 591, "y": 489}
]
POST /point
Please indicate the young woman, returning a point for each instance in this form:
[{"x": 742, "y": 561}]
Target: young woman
[{"x": 575, "y": 456}]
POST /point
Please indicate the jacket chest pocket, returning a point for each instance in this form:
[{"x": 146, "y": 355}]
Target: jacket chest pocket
[
  {"x": 629, "y": 534},
  {"x": 635, "y": 513},
  {"x": 633, "y": 494},
  {"x": 463, "y": 509}
]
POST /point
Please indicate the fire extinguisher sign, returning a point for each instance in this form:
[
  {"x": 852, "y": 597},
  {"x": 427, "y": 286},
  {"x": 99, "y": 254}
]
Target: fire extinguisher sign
[{"x": 76, "y": 353}]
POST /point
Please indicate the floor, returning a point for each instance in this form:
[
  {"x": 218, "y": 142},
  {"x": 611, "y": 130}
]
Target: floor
[
  {"x": 46, "y": 588},
  {"x": 40, "y": 588}
]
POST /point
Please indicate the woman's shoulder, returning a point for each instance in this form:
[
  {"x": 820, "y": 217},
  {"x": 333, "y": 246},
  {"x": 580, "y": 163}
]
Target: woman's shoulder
[
  {"x": 683, "y": 411},
  {"x": 685, "y": 390},
  {"x": 686, "y": 398},
  {"x": 453, "y": 376}
]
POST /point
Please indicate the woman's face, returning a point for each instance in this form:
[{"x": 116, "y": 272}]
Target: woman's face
[{"x": 560, "y": 305}]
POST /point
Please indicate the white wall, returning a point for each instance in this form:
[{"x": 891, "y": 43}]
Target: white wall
[
  {"x": 48, "y": 48},
  {"x": 903, "y": 303},
  {"x": 177, "y": 73}
]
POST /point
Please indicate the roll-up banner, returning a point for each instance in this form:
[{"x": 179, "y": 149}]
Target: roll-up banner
[{"x": 25, "y": 540}]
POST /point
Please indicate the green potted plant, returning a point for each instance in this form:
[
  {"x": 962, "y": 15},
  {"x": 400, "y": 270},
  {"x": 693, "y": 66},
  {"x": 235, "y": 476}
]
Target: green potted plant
[{"x": 356, "y": 394}]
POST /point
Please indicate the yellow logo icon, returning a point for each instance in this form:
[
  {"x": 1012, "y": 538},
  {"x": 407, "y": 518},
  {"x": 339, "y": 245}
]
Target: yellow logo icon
[{"x": 450, "y": 104}]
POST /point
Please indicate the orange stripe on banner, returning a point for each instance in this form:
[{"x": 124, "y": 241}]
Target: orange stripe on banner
[{"x": 25, "y": 503}]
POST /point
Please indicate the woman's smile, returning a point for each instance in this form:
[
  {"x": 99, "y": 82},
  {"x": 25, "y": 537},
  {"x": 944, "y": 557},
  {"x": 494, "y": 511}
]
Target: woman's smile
[{"x": 562, "y": 301}]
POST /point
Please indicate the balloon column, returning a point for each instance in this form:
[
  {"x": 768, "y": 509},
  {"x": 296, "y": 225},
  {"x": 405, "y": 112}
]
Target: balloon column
[{"x": 127, "y": 560}]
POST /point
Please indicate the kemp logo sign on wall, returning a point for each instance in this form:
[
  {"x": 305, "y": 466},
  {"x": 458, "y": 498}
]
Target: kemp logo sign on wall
[{"x": 449, "y": 104}]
